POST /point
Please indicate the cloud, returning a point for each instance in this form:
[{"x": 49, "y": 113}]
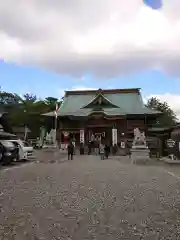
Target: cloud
[
  {"x": 172, "y": 99},
  {"x": 104, "y": 37}
]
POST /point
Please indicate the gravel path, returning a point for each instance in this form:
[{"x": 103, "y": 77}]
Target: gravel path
[{"x": 88, "y": 199}]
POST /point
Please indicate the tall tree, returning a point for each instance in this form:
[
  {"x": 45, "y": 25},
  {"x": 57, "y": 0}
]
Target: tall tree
[
  {"x": 29, "y": 97},
  {"x": 51, "y": 100},
  {"x": 7, "y": 98},
  {"x": 27, "y": 110},
  {"x": 168, "y": 116}
]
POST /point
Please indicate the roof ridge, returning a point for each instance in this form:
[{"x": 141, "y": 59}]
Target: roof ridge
[{"x": 105, "y": 91}]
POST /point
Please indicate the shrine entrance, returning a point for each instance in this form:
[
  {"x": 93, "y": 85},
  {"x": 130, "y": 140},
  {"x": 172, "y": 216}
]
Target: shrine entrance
[
  {"x": 99, "y": 127},
  {"x": 102, "y": 133}
]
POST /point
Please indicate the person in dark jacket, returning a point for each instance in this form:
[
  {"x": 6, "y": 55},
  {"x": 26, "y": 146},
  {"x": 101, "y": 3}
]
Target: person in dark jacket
[
  {"x": 106, "y": 151},
  {"x": 114, "y": 149},
  {"x": 70, "y": 150},
  {"x": 96, "y": 146},
  {"x": 81, "y": 149},
  {"x": 89, "y": 147}
]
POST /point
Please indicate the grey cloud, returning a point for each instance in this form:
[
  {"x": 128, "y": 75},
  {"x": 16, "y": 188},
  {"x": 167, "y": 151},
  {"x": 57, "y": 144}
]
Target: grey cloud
[
  {"x": 109, "y": 67},
  {"x": 47, "y": 30}
]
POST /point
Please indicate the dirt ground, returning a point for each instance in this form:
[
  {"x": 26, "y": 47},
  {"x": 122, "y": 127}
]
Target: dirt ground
[{"x": 87, "y": 198}]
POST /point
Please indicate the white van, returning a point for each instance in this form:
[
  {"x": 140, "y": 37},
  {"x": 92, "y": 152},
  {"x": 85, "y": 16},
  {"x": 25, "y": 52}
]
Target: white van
[{"x": 25, "y": 149}]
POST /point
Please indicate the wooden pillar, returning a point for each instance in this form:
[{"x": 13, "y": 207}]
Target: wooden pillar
[
  {"x": 59, "y": 132},
  {"x": 118, "y": 131},
  {"x": 125, "y": 132}
]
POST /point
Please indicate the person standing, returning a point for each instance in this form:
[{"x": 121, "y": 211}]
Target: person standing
[
  {"x": 81, "y": 148},
  {"x": 101, "y": 150},
  {"x": 96, "y": 147},
  {"x": 89, "y": 147},
  {"x": 70, "y": 150},
  {"x": 106, "y": 151},
  {"x": 74, "y": 144},
  {"x": 92, "y": 143}
]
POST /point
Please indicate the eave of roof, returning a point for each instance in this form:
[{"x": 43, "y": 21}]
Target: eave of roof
[
  {"x": 159, "y": 129},
  {"x": 5, "y": 134},
  {"x": 107, "y": 112},
  {"x": 49, "y": 114},
  {"x": 20, "y": 129}
]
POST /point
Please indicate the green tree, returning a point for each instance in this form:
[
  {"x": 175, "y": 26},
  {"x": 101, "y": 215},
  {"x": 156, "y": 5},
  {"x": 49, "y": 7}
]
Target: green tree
[
  {"x": 27, "y": 110},
  {"x": 168, "y": 116},
  {"x": 51, "y": 101},
  {"x": 29, "y": 98},
  {"x": 8, "y": 102},
  {"x": 7, "y": 98}
]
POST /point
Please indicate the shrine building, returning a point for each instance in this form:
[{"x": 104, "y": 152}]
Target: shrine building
[{"x": 111, "y": 114}]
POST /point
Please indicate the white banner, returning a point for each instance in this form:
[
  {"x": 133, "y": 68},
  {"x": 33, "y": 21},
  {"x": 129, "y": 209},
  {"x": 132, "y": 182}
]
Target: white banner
[
  {"x": 114, "y": 136},
  {"x": 64, "y": 146},
  {"x": 82, "y": 136},
  {"x": 122, "y": 144}
]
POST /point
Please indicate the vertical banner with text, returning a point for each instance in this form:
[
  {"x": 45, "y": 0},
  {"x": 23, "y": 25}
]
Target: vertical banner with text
[
  {"x": 82, "y": 136},
  {"x": 114, "y": 136}
]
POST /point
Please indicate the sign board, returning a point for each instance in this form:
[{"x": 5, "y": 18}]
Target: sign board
[
  {"x": 82, "y": 136},
  {"x": 100, "y": 135},
  {"x": 170, "y": 143},
  {"x": 114, "y": 136},
  {"x": 66, "y": 134}
]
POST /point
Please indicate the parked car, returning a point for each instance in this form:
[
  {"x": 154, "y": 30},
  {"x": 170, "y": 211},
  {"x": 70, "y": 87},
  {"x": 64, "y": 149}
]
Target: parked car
[
  {"x": 35, "y": 144},
  {"x": 28, "y": 148},
  {"x": 23, "y": 150},
  {"x": 8, "y": 152}
]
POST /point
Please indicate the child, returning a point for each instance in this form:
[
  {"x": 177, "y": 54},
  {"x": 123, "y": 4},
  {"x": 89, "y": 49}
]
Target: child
[{"x": 101, "y": 151}]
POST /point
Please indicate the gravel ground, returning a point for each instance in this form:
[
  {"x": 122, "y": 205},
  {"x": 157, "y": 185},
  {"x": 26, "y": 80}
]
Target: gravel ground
[{"x": 88, "y": 199}]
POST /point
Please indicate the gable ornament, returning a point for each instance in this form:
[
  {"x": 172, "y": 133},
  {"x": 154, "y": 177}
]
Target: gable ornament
[{"x": 100, "y": 100}]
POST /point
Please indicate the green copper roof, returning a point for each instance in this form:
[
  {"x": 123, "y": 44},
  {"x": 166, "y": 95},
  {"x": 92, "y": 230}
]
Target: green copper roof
[
  {"x": 105, "y": 102},
  {"x": 127, "y": 103}
]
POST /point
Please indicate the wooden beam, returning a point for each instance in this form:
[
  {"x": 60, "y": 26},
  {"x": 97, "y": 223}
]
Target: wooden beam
[{"x": 98, "y": 125}]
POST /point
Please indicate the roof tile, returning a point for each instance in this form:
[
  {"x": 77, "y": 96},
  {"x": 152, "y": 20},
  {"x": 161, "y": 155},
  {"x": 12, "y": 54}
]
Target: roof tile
[{"x": 126, "y": 102}]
